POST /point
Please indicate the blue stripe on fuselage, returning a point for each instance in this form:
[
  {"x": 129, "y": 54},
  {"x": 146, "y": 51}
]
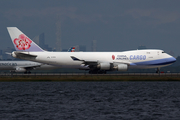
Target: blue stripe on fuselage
[{"x": 156, "y": 62}]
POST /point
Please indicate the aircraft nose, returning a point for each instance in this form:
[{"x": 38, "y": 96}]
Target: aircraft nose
[{"x": 172, "y": 60}]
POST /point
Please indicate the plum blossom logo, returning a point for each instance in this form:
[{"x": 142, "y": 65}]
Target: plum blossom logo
[
  {"x": 113, "y": 57},
  {"x": 22, "y": 42}
]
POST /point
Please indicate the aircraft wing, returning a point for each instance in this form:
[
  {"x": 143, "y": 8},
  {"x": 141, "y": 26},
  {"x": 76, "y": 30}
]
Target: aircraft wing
[
  {"x": 31, "y": 66},
  {"x": 27, "y": 68},
  {"x": 93, "y": 64},
  {"x": 90, "y": 64}
]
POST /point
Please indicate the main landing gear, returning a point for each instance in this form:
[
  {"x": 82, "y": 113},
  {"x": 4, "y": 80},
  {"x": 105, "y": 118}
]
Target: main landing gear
[{"x": 27, "y": 72}]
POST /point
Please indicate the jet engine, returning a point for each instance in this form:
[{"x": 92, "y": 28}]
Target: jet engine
[
  {"x": 109, "y": 66},
  {"x": 20, "y": 69},
  {"x": 104, "y": 66},
  {"x": 122, "y": 67}
]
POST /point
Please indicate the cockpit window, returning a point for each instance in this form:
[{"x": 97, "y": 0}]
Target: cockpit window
[{"x": 163, "y": 52}]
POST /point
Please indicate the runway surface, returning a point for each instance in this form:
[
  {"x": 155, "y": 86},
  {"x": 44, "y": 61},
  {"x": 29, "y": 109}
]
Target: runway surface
[{"x": 87, "y": 74}]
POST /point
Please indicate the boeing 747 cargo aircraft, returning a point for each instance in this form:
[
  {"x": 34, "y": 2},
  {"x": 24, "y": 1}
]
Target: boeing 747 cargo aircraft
[{"x": 95, "y": 62}]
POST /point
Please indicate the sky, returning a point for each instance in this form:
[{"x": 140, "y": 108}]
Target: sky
[{"x": 116, "y": 25}]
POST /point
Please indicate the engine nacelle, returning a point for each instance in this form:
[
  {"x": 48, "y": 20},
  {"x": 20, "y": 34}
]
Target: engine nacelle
[
  {"x": 104, "y": 66},
  {"x": 122, "y": 67},
  {"x": 20, "y": 70}
]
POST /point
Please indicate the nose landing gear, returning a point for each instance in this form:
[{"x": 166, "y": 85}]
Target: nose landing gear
[{"x": 158, "y": 70}]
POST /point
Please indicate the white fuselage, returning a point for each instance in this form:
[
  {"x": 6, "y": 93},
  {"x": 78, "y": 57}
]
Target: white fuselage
[{"x": 134, "y": 59}]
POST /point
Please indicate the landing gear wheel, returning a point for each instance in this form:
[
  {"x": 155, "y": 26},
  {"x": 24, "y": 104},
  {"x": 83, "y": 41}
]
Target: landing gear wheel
[
  {"x": 158, "y": 70},
  {"x": 97, "y": 72}
]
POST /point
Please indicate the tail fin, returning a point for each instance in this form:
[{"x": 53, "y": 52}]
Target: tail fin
[
  {"x": 72, "y": 49},
  {"x": 21, "y": 42}
]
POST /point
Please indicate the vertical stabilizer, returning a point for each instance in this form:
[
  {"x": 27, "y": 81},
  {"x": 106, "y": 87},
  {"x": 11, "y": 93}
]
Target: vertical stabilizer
[
  {"x": 72, "y": 49},
  {"x": 21, "y": 42}
]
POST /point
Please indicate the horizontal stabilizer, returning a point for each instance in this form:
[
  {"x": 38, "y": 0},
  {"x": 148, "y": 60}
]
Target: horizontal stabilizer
[
  {"x": 19, "y": 54},
  {"x": 8, "y": 53}
]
